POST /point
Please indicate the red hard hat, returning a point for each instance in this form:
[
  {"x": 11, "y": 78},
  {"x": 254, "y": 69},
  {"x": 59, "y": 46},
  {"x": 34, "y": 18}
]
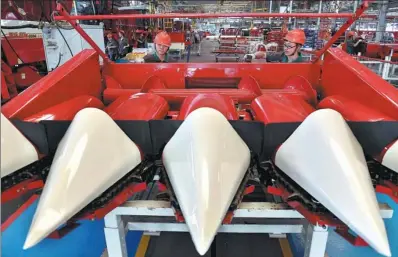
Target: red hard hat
[
  {"x": 296, "y": 36},
  {"x": 163, "y": 38}
]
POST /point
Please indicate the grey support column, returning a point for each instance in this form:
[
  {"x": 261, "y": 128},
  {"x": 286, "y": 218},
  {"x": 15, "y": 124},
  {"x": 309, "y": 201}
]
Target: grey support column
[{"x": 381, "y": 25}]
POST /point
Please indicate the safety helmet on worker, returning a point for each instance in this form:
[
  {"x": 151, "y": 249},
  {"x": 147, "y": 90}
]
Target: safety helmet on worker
[
  {"x": 295, "y": 36},
  {"x": 163, "y": 38},
  {"x": 351, "y": 33}
]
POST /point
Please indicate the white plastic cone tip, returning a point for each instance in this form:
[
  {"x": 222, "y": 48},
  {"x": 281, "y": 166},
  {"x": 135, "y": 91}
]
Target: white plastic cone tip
[
  {"x": 390, "y": 158},
  {"x": 324, "y": 157},
  {"x": 16, "y": 150},
  {"x": 93, "y": 155},
  {"x": 206, "y": 161}
]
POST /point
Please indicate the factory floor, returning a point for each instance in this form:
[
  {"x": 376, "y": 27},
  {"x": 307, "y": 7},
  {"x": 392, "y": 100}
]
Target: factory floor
[
  {"x": 206, "y": 55},
  {"x": 227, "y": 245}
]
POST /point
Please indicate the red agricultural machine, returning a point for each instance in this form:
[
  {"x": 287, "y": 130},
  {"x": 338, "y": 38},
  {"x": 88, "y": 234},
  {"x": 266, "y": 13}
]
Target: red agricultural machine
[
  {"x": 22, "y": 22},
  {"x": 322, "y": 136}
]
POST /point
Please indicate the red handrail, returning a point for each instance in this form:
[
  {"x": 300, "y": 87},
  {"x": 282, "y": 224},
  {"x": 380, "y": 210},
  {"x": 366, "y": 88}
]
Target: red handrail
[{"x": 209, "y": 15}]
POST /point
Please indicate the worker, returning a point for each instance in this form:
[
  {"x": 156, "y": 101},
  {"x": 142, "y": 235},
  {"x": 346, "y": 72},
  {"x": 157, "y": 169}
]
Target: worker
[
  {"x": 293, "y": 41},
  {"x": 349, "y": 42},
  {"x": 111, "y": 47},
  {"x": 149, "y": 36},
  {"x": 360, "y": 45},
  {"x": 123, "y": 44},
  {"x": 141, "y": 41},
  {"x": 162, "y": 45}
]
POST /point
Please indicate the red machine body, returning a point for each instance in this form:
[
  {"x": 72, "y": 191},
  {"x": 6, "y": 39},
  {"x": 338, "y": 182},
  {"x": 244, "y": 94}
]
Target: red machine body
[{"x": 263, "y": 92}]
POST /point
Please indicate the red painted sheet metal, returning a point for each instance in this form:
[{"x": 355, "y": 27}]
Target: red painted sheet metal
[
  {"x": 5, "y": 95},
  {"x": 79, "y": 76},
  {"x": 111, "y": 94},
  {"x": 178, "y": 95},
  {"x": 342, "y": 75},
  {"x": 177, "y": 37},
  {"x": 301, "y": 84},
  {"x": 138, "y": 107},
  {"x": 222, "y": 103},
  {"x": 33, "y": 53},
  {"x": 26, "y": 76},
  {"x": 279, "y": 107},
  {"x": 66, "y": 110},
  {"x": 268, "y": 75},
  {"x": 352, "y": 110},
  {"x": 377, "y": 50}
]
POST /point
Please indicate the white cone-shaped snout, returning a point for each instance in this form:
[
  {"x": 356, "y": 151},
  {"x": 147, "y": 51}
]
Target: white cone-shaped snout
[
  {"x": 324, "y": 157},
  {"x": 206, "y": 161},
  {"x": 390, "y": 158},
  {"x": 93, "y": 155},
  {"x": 16, "y": 150}
]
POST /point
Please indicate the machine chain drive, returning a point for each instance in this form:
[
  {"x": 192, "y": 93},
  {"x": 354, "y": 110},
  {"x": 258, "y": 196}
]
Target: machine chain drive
[
  {"x": 273, "y": 176},
  {"x": 139, "y": 174},
  {"x": 380, "y": 173},
  {"x": 37, "y": 170}
]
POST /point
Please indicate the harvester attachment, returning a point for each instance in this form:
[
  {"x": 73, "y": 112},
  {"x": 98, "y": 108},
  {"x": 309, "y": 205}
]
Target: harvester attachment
[
  {"x": 93, "y": 155},
  {"x": 205, "y": 161},
  {"x": 325, "y": 159}
]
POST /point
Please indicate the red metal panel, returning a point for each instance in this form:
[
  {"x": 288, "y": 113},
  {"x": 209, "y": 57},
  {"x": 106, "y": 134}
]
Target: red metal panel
[
  {"x": 342, "y": 75},
  {"x": 79, "y": 76},
  {"x": 177, "y": 37},
  {"x": 5, "y": 95},
  {"x": 138, "y": 107},
  {"x": 301, "y": 84},
  {"x": 26, "y": 76},
  {"x": 280, "y": 107},
  {"x": 33, "y": 53},
  {"x": 377, "y": 50},
  {"x": 352, "y": 110},
  {"x": 268, "y": 75},
  {"x": 178, "y": 95},
  {"x": 222, "y": 103},
  {"x": 66, "y": 110}
]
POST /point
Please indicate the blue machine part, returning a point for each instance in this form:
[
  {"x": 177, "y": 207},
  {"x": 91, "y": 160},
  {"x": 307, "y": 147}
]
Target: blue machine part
[{"x": 87, "y": 240}]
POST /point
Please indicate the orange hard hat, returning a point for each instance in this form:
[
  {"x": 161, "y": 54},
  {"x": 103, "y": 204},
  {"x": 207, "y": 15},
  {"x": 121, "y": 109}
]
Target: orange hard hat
[
  {"x": 163, "y": 38},
  {"x": 296, "y": 36},
  {"x": 351, "y": 33}
]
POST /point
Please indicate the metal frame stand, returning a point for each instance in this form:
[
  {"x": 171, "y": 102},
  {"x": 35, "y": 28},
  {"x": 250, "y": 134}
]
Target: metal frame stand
[{"x": 118, "y": 222}]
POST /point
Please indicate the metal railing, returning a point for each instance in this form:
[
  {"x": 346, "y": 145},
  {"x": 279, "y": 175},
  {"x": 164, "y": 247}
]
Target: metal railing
[{"x": 386, "y": 69}]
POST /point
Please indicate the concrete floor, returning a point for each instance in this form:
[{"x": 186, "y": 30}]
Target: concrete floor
[{"x": 227, "y": 245}]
